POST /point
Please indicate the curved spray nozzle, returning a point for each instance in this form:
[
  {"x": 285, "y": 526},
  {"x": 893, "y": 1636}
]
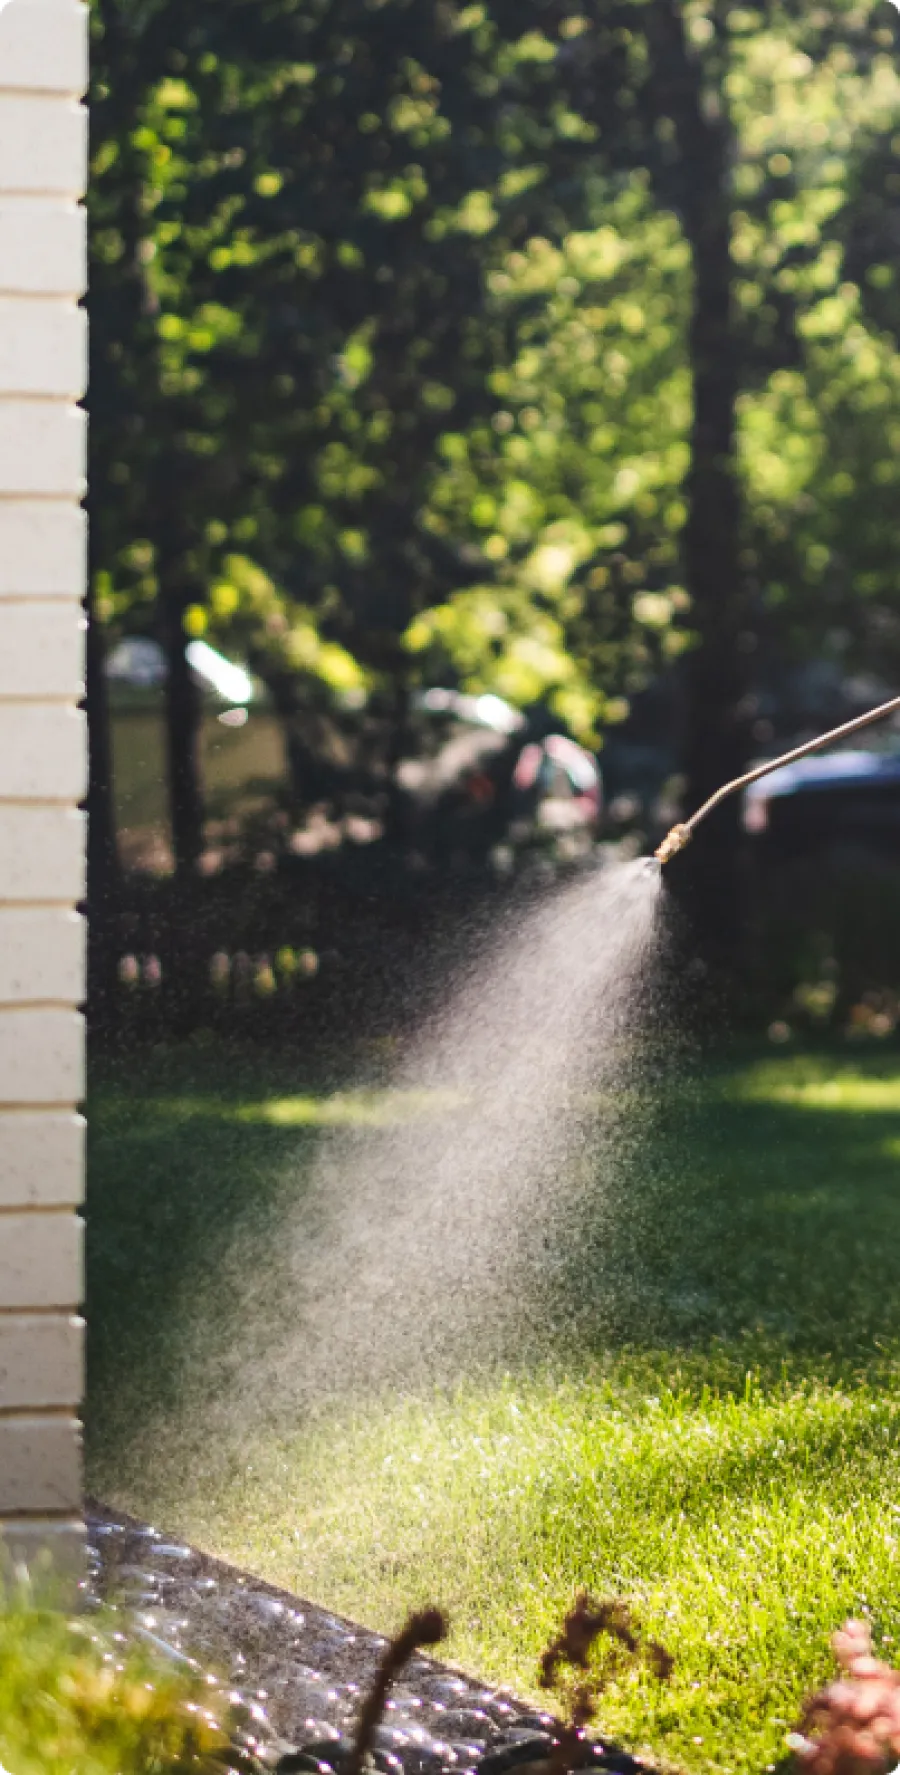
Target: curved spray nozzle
[{"x": 681, "y": 835}]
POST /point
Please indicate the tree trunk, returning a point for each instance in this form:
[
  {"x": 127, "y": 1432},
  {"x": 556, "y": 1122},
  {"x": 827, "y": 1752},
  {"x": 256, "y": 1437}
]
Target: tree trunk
[
  {"x": 311, "y": 775},
  {"x": 399, "y": 817},
  {"x": 102, "y": 854},
  {"x": 183, "y": 707},
  {"x": 716, "y": 739}
]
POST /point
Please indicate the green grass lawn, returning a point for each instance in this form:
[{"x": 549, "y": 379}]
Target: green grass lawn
[{"x": 722, "y": 1448}]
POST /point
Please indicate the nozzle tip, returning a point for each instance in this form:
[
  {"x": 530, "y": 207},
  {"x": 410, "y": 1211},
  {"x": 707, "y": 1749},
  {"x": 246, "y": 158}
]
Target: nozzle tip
[{"x": 674, "y": 842}]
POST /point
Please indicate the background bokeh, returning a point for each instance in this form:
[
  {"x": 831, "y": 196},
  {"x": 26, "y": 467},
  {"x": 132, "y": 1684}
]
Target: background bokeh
[{"x": 523, "y": 349}]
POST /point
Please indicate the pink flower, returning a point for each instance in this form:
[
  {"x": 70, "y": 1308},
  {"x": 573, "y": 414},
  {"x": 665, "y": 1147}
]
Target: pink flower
[{"x": 852, "y": 1726}]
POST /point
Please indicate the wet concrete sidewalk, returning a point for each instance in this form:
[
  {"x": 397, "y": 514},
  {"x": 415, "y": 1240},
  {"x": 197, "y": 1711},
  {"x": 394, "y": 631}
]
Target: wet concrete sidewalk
[{"x": 296, "y": 1673}]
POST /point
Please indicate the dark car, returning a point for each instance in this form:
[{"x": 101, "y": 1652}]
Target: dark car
[{"x": 831, "y": 798}]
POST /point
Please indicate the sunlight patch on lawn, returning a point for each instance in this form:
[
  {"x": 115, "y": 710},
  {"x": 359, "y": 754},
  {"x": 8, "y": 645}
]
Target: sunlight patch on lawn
[
  {"x": 370, "y": 1109},
  {"x": 808, "y": 1084},
  {"x": 364, "y": 1109}
]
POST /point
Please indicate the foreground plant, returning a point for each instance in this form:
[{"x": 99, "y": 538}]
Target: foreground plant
[
  {"x": 852, "y": 1726},
  {"x": 425, "y": 1629},
  {"x": 86, "y": 1697},
  {"x": 76, "y": 1698},
  {"x": 581, "y": 1629}
]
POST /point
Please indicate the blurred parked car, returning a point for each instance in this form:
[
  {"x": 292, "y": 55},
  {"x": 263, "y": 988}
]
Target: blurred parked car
[
  {"x": 241, "y": 745},
  {"x": 486, "y": 778}
]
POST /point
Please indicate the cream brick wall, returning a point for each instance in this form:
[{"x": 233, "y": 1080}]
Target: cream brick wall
[{"x": 43, "y": 52}]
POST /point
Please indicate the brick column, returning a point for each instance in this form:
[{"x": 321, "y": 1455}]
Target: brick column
[{"x": 43, "y": 49}]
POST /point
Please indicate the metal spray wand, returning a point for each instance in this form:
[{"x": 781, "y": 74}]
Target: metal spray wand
[{"x": 679, "y": 836}]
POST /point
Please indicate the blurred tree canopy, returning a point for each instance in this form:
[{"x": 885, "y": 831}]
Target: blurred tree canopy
[{"x": 528, "y": 345}]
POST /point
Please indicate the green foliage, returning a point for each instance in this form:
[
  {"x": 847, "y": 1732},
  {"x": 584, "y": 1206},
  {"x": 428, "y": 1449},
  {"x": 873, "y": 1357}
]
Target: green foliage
[
  {"x": 314, "y": 198},
  {"x": 817, "y": 434},
  {"x": 74, "y": 1701},
  {"x": 316, "y": 315},
  {"x": 571, "y": 493},
  {"x": 393, "y": 333},
  {"x": 247, "y": 611}
]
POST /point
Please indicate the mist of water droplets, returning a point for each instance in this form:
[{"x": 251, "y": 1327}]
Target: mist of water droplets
[{"x": 452, "y": 1237}]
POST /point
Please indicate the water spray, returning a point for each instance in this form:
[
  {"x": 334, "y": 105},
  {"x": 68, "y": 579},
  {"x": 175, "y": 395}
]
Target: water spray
[{"x": 681, "y": 835}]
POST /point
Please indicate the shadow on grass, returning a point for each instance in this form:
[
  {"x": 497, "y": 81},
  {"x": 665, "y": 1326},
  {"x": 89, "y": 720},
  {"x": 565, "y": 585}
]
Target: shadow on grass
[
  {"x": 174, "y": 1178},
  {"x": 760, "y": 1225},
  {"x": 774, "y": 1220}
]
